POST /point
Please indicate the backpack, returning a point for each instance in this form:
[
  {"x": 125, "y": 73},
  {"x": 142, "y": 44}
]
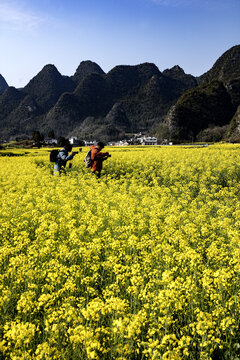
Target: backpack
[
  {"x": 53, "y": 155},
  {"x": 87, "y": 160}
]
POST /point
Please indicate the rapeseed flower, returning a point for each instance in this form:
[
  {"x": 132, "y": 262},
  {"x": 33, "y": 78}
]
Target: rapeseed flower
[{"x": 142, "y": 263}]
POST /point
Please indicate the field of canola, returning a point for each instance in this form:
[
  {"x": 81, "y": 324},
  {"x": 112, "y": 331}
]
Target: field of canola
[{"x": 141, "y": 264}]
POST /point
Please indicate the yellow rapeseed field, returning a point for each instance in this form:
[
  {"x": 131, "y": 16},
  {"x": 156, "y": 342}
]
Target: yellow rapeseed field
[{"x": 141, "y": 264}]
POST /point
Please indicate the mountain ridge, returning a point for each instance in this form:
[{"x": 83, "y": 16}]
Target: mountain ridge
[
  {"x": 128, "y": 98},
  {"x": 3, "y": 84},
  {"x": 212, "y": 104}
]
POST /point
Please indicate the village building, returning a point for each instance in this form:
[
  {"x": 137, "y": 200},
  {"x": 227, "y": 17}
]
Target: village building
[
  {"x": 147, "y": 140},
  {"x": 49, "y": 141},
  {"x": 74, "y": 141}
]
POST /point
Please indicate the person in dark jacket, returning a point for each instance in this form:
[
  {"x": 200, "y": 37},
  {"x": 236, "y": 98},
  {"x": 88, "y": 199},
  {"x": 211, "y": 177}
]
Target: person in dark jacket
[{"x": 62, "y": 158}]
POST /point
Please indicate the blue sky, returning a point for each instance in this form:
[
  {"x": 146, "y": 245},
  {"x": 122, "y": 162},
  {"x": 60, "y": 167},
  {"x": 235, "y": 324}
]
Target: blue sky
[{"x": 188, "y": 33}]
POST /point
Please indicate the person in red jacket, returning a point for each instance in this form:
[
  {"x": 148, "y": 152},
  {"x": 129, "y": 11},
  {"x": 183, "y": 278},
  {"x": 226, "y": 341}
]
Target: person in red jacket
[{"x": 97, "y": 158}]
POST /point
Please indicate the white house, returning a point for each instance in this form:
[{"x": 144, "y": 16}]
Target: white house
[
  {"x": 148, "y": 140},
  {"x": 49, "y": 141},
  {"x": 89, "y": 143},
  {"x": 74, "y": 141}
]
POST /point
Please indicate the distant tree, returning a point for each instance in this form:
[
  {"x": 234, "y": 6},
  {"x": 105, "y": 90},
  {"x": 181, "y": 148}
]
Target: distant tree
[
  {"x": 163, "y": 133},
  {"x": 51, "y": 134},
  {"x": 37, "y": 137},
  {"x": 61, "y": 141},
  {"x": 81, "y": 143},
  {"x": 212, "y": 134}
]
